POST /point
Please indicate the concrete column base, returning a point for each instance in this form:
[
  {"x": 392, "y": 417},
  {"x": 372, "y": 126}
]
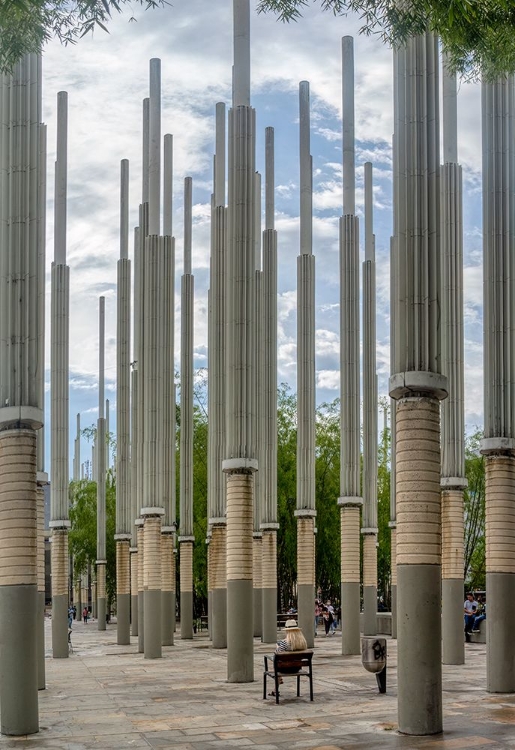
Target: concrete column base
[
  {"x": 351, "y": 643},
  {"x": 60, "y": 627},
  {"x": 141, "y": 622},
  {"x": 123, "y": 617},
  {"x": 167, "y": 617},
  {"x": 240, "y": 654},
  {"x": 187, "y": 615},
  {"x": 41, "y": 640},
  {"x": 453, "y": 640},
  {"x": 219, "y": 618},
  {"x": 101, "y": 614},
  {"x": 134, "y": 615},
  {"x": 419, "y": 649},
  {"x": 500, "y": 643},
  {"x": 152, "y": 617},
  {"x": 269, "y": 598},
  {"x": 306, "y": 612},
  {"x": 258, "y": 612},
  {"x": 369, "y": 610},
  {"x": 394, "y": 611},
  {"x": 19, "y": 668},
  {"x": 210, "y": 614}
]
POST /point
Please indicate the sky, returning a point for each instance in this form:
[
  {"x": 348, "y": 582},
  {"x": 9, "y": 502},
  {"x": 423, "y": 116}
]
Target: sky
[{"x": 106, "y": 77}]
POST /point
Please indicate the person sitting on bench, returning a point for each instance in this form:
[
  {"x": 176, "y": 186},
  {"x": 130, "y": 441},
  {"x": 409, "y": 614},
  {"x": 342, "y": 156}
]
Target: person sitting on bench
[{"x": 294, "y": 641}]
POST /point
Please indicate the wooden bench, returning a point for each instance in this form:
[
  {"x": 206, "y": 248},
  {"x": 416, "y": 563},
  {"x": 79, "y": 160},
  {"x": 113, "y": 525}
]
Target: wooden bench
[{"x": 289, "y": 664}]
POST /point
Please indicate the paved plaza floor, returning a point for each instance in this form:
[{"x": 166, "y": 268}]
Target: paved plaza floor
[{"x": 109, "y": 697}]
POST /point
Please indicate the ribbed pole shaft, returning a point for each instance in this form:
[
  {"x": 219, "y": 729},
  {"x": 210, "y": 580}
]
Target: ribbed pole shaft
[
  {"x": 76, "y": 453},
  {"x": 305, "y": 511},
  {"x": 240, "y": 452},
  {"x": 123, "y": 358},
  {"x": 154, "y": 152},
  {"x": 241, "y": 69},
  {"x": 186, "y": 538},
  {"x": 167, "y": 411},
  {"x": 453, "y": 480},
  {"x": 59, "y": 399},
  {"x": 258, "y": 426},
  {"x": 100, "y": 456},
  {"x": 268, "y": 471},
  {"x": 498, "y": 111},
  {"x": 216, "y": 394},
  {"x": 135, "y": 467},
  {"x": 369, "y": 529},
  {"x": 417, "y": 384},
  {"x": 350, "y": 492},
  {"x": 168, "y": 185},
  {"x": 349, "y": 180}
]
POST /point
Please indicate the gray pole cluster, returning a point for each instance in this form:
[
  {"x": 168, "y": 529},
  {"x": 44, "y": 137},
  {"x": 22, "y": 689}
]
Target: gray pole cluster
[
  {"x": 305, "y": 512},
  {"x": 101, "y": 476},
  {"x": 216, "y": 396},
  {"x": 453, "y": 480},
  {"x": 498, "y": 111},
  {"x": 21, "y": 412},
  {"x": 167, "y": 416},
  {"x": 59, "y": 342},
  {"x": 123, "y": 358},
  {"x": 240, "y": 462},
  {"x": 418, "y": 386},
  {"x": 186, "y": 538},
  {"x": 350, "y": 500},
  {"x": 369, "y": 529},
  {"x": 269, "y": 525}
]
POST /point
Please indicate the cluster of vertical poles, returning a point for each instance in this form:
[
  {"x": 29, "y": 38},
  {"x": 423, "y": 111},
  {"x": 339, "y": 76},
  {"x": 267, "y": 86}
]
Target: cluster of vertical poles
[{"x": 427, "y": 363}]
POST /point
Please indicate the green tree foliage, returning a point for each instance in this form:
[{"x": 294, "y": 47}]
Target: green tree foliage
[
  {"x": 25, "y": 25},
  {"x": 479, "y": 35},
  {"x": 286, "y": 496},
  {"x": 475, "y": 564},
  {"x": 83, "y": 533}
]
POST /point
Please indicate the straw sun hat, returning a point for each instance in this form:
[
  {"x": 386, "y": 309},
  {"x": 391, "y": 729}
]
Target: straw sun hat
[{"x": 291, "y": 625}]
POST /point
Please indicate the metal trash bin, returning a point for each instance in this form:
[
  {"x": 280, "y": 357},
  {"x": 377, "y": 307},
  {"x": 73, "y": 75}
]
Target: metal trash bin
[{"x": 373, "y": 658}]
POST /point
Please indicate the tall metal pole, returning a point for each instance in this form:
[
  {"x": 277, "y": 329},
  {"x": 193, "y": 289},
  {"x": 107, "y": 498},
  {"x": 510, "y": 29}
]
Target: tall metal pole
[
  {"x": 123, "y": 359},
  {"x": 167, "y": 409},
  {"x": 240, "y": 462},
  {"x": 305, "y": 512},
  {"x": 59, "y": 520},
  {"x": 101, "y": 476},
  {"x": 369, "y": 529},
  {"x": 350, "y": 500},
  {"x": 498, "y": 111},
  {"x": 269, "y": 525},
  {"x": 418, "y": 386},
  {"x": 257, "y": 536},
  {"x": 453, "y": 480},
  {"x": 186, "y": 538},
  {"x": 216, "y": 396}
]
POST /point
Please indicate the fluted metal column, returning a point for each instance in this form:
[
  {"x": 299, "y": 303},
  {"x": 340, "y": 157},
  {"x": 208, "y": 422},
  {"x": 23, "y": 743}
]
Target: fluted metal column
[
  {"x": 76, "y": 453},
  {"x": 498, "y": 103},
  {"x": 369, "y": 529},
  {"x": 186, "y": 537},
  {"x": 350, "y": 500},
  {"x": 167, "y": 415},
  {"x": 418, "y": 385},
  {"x": 393, "y": 506},
  {"x": 135, "y": 467},
  {"x": 59, "y": 342},
  {"x": 453, "y": 480},
  {"x": 216, "y": 395},
  {"x": 42, "y": 476},
  {"x": 305, "y": 512},
  {"x": 240, "y": 462},
  {"x": 268, "y": 470},
  {"x": 123, "y": 358},
  {"x": 257, "y": 334},
  {"x": 101, "y": 477}
]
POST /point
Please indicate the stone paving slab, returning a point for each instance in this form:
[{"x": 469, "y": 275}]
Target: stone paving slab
[{"x": 108, "y": 697}]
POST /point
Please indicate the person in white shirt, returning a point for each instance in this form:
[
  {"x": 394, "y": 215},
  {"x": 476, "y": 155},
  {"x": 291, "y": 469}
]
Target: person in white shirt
[{"x": 469, "y": 610}]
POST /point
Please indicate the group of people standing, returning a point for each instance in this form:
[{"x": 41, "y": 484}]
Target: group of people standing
[
  {"x": 474, "y": 612},
  {"x": 329, "y": 616}
]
